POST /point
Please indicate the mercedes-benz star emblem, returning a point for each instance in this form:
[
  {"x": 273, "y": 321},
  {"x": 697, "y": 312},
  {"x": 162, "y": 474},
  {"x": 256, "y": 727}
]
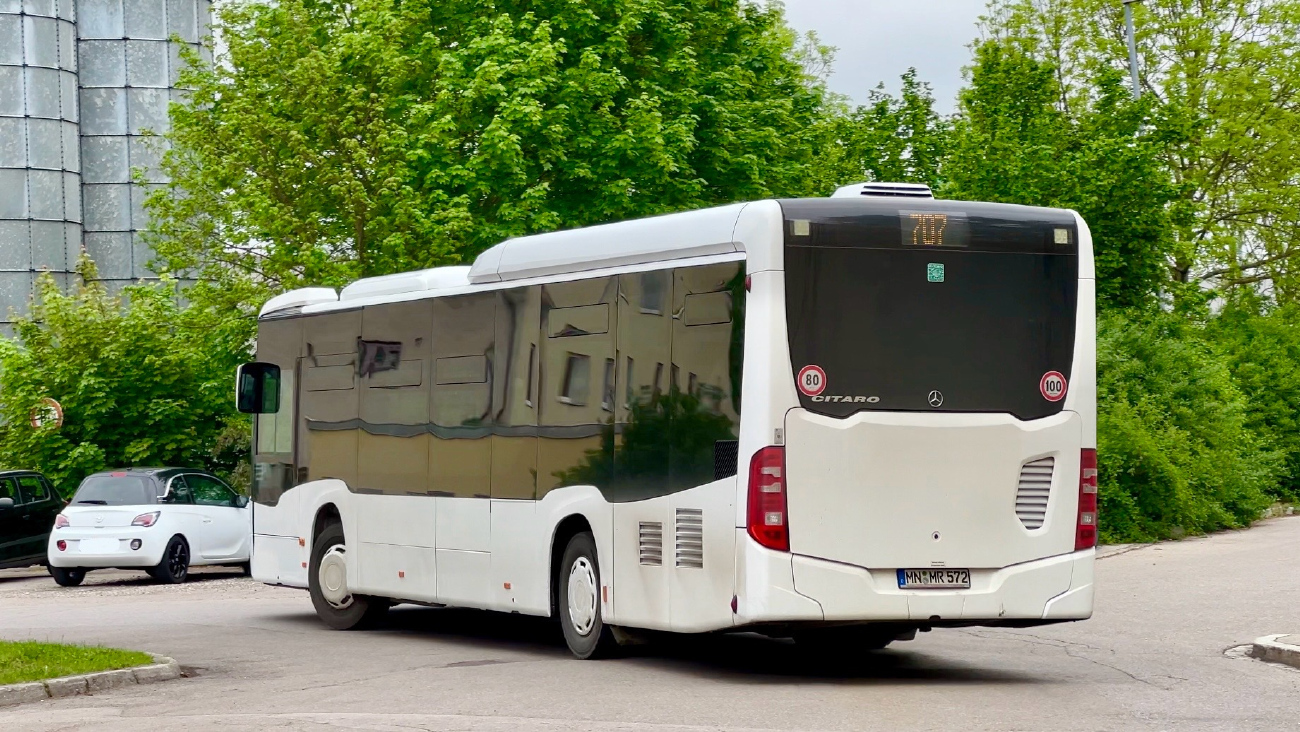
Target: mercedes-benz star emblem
[{"x": 936, "y": 399}]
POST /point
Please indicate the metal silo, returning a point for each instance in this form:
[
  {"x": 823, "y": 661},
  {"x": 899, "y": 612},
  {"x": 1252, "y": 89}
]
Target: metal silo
[
  {"x": 40, "y": 187},
  {"x": 128, "y": 71}
]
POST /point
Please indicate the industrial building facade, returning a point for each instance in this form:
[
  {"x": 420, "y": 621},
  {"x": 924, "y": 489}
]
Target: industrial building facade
[{"x": 85, "y": 87}]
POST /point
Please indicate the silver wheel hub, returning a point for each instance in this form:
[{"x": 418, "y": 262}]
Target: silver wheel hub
[
  {"x": 583, "y": 596},
  {"x": 333, "y": 575}
]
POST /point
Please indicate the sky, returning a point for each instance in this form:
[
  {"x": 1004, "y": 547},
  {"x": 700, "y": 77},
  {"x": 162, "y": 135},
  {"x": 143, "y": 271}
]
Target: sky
[{"x": 878, "y": 40}]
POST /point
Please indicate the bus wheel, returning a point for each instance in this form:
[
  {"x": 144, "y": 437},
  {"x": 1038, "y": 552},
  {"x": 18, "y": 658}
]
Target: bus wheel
[
  {"x": 327, "y": 580},
  {"x": 579, "y": 601}
]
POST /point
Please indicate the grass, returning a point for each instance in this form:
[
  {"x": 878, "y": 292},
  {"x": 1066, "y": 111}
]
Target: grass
[{"x": 28, "y": 661}]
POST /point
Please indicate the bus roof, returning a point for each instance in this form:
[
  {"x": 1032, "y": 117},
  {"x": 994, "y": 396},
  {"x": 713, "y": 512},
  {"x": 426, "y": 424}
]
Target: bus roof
[{"x": 701, "y": 235}]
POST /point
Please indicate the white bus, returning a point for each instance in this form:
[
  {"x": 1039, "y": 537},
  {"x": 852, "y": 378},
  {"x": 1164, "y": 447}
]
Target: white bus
[{"x": 842, "y": 419}]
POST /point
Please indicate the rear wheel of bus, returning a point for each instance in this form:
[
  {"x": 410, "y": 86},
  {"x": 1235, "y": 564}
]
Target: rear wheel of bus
[{"x": 579, "y": 601}]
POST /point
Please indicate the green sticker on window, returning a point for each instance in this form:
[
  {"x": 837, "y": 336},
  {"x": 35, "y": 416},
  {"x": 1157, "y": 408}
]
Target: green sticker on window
[{"x": 934, "y": 272}]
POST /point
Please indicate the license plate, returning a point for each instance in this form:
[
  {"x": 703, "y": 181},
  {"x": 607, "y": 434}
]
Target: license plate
[
  {"x": 934, "y": 579},
  {"x": 99, "y": 546}
]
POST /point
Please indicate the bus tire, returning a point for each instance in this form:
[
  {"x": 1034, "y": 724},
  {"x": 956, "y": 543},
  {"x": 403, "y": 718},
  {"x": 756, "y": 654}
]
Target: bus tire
[
  {"x": 578, "y": 601},
  {"x": 335, "y": 605}
]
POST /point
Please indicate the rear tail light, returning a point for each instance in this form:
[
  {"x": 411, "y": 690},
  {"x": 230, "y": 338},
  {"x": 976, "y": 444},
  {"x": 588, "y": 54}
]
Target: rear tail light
[
  {"x": 145, "y": 519},
  {"x": 767, "y": 508},
  {"x": 1085, "y": 536},
  {"x": 61, "y": 522}
]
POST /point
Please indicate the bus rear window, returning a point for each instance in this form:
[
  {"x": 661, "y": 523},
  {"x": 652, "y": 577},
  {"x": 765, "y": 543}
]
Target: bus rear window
[{"x": 970, "y": 310}]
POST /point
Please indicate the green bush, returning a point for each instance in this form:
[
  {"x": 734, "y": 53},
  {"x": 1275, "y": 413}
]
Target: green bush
[
  {"x": 142, "y": 383},
  {"x": 1262, "y": 349},
  {"x": 1176, "y": 451}
]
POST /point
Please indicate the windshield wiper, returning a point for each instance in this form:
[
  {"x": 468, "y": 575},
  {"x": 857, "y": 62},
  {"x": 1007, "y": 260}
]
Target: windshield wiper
[{"x": 97, "y": 503}]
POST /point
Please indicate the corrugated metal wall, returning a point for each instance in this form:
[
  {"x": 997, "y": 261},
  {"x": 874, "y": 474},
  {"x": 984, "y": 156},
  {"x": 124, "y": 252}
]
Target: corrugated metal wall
[
  {"x": 84, "y": 88},
  {"x": 40, "y": 184}
]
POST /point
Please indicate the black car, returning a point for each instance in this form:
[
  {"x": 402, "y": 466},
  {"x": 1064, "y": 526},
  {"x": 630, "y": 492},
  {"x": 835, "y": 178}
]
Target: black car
[{"x": 28, "y": 505}]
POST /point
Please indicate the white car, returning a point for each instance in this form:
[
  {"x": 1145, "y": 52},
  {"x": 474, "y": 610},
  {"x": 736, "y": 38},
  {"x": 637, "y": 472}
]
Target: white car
[{"x": 161, "y": 520}]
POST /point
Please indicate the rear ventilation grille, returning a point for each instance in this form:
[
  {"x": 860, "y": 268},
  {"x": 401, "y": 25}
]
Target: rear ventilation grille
[
  {"x": 888, "y": 190},
  {"x": 652, "y": 543},
  {"x": 690, "y": 538},
  {"x": 1034, "y": 490}
]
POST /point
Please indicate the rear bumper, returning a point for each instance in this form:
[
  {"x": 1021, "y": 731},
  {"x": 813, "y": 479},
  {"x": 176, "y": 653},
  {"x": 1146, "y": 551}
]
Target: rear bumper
[
  {"x": 121, "y": 554},
  {"x": 1052, "y": 589}
]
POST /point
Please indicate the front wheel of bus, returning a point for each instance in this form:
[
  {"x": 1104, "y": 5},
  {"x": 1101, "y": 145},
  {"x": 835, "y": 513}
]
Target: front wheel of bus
[
  {"x": 579, "y": 601},
  {"x": 327, "y": 580}
]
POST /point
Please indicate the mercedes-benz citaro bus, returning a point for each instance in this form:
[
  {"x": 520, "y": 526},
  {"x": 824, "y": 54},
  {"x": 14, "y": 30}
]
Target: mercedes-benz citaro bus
[{"x": 842, "y": 419}]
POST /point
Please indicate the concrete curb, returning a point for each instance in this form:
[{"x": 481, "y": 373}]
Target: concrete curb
[
  {"x": 162, "y": 669},
  {"x": 1271, "y": 649}
]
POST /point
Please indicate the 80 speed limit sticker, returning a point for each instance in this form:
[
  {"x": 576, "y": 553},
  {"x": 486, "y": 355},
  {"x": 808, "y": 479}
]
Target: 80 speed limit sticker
[
  {"x": 812, "y": 380},
  {"x": 1052, "y": 386}
]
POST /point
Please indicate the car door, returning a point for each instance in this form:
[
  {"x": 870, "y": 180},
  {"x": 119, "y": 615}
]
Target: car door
[
  {"x": 226, "y": 527},
  {"x": 34, "y": 516},
  {"x": 181, "y": 515},
  {"x": 11, "y": 535}
]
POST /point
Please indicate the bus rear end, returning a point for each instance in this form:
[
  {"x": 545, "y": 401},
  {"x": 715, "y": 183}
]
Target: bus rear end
[{"x": 936, "y": 462}]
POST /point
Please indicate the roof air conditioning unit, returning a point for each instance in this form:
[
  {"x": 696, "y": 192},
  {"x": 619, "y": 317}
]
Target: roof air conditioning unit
[{"x": 891, "y": 190}]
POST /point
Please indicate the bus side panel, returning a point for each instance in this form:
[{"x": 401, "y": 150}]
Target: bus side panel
[
  {"x": 769, "y": 390},
  {"x": 394, "y": 546},
  {"x": 1082, "y": 397},
  {"x": 701, "y": 586},
  {"x": 642, "y": 562},
  {"x": 520, "y": 579}
]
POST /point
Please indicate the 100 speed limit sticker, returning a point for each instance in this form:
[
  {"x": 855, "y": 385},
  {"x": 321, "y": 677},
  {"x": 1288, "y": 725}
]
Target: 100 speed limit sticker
[
  {"x": 812, "y": 380},
  {"x": 1052, "y": 386}
]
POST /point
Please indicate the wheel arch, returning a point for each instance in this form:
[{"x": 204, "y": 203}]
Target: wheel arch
[
  {"x": 568, "y": 527},
  {"x": 326, "y": 514}
]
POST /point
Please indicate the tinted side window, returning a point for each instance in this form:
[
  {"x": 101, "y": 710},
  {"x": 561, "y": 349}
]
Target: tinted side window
[
  {"x": 575, "y": 410},
  {"x": 32, "y": 489},
  {"x": 209, "y": 491},
  {"x": 9, "y": 489},
  {"x": 180, "y": 492}
]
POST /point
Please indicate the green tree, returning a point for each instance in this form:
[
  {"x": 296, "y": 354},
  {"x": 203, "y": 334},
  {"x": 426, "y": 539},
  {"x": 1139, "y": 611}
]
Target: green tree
[
  {"x": 145, "y": 382},
  {"x": 337, "y": 140},
  {"x": 1013, "y": 143},
  {"x": 1224, "y": 74}
]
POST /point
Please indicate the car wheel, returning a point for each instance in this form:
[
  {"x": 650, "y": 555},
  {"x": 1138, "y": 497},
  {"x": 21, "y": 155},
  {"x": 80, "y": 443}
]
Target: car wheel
[
  {"x": 65, "y": 577},
  {"x": 174, "y": 567},
  {"x": 327, "y": 580},
  {"x": 579, "y": 601}
]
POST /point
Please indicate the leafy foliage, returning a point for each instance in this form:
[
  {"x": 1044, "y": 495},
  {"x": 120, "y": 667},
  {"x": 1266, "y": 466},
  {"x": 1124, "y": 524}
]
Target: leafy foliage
[
  {"x": 1225, "y": 74},
  {"x": 1261, "y": 347},
  {"x": 1012, "y": 143},
  {"x": 338, "y": 140},
  {"x": 140, "y": 383},
  {"x": 1175, "y": 448}
]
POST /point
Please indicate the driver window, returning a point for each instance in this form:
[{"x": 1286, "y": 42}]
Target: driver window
[
  {"x": 179, "y": 492},
  {"x": 33, "y": 489},
  {"x": 9, "y": 490},
  {"x": 209, "y": 491}
]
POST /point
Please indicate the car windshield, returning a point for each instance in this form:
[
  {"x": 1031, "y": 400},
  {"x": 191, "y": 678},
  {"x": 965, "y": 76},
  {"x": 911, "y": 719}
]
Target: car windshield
[{"x": 117, "y": 490}]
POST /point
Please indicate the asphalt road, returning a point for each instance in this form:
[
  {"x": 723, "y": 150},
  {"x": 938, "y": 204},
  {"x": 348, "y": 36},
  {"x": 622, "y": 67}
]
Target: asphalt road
[{"x": 1158, "y": 655}]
